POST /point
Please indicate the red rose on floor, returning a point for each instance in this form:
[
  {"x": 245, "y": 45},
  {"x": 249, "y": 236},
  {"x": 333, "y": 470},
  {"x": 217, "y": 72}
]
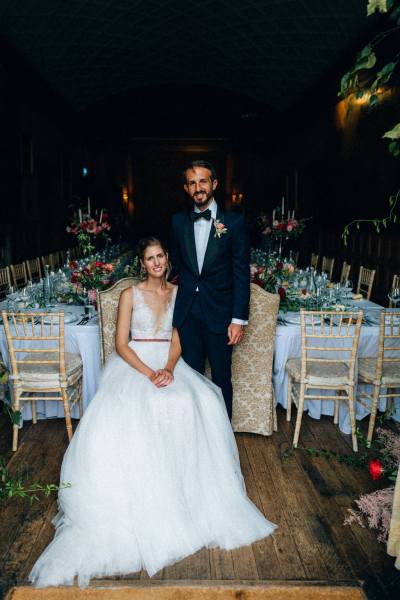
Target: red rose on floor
[
  {"x": 375, "y": 468},
  {"x": 282, "y": 292}
]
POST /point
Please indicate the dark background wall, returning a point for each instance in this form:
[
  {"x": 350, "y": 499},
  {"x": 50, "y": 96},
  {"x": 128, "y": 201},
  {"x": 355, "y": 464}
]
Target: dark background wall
[{"x": 327, "y": 157}]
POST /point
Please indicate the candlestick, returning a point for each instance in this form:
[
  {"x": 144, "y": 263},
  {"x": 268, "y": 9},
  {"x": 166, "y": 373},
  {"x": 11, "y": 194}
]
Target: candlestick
[
  {"x": 283, "y": 206},
  {"x": 273, "y": 215},
  {"x": 101, "y": 215},
  {"x": 80, "y": 216},
  {"x": 292, "y": 214},
  {"x": 88, "y": 206}
]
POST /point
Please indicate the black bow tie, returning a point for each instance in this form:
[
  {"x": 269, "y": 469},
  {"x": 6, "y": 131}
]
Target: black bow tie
[{"x": 206, "y": 214}]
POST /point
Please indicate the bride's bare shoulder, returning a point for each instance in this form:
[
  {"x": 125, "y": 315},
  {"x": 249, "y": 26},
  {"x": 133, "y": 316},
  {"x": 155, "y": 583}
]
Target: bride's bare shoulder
[{"x": 126, "y": 296}]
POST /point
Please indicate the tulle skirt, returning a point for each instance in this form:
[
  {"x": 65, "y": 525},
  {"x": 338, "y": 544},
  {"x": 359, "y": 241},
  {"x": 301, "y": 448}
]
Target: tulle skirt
[{"x": 154, "y": 476}]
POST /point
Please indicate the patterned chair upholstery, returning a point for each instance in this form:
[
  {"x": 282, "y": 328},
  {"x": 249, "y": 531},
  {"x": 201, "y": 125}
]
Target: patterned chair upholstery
[
  {"x": 107, "y": 302},
  {"x": 253, "y": 399}
]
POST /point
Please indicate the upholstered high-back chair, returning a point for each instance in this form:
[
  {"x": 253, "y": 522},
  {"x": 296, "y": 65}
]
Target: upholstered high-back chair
[
  {"x": 253, "y": 400},
  {"x": 107, "y": 302}
]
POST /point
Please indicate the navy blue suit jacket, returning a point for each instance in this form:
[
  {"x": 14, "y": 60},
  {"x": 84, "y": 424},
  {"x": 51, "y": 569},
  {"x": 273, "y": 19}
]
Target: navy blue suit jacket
[{"x": 224, "y": 282}]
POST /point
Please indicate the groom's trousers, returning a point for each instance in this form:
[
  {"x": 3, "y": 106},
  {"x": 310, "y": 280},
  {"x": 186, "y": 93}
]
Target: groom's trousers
[{"x": 198, "y": 342}]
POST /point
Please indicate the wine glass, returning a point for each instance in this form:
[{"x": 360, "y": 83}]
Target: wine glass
[{"x": 394, "y": 296}]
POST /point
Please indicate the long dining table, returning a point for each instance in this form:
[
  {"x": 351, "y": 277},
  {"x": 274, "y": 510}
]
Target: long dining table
[{"x": 85, "y": 340}]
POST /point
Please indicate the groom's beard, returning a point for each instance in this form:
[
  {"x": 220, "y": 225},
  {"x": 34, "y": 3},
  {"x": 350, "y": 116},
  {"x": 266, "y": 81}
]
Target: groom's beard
[{"x": 202, "y": 203}]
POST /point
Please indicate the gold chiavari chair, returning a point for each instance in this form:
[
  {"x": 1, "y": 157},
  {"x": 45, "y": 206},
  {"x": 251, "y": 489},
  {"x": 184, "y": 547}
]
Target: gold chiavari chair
[
  {"x": 107, "y": 304},
  {"x": 47, "y": 260},
  {"x": 42, "y": 373},
  {"x": 19, "y": 276},
  {"x": 329, "y": 343},
  {"x": 327, "y": 266},
  {"x": 5, "y": 281},
  {"x": 383, "y": 370},
  {"x": 365, "y": 282},
  {"x": 314, "y": 260},
  {"x": 55, "y": 260},
  {"x": 395, "y": 286},
  {"x": 345, "y": 272},
  {"x": 33, "y": 269}
]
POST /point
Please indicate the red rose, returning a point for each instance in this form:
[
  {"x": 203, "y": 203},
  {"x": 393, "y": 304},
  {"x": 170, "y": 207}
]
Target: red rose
[
  {"x": 282, "y": 226},
  {"x": 258, "y": 282},
  {"x": 105, "y": 216},
  {"x": 73, "y": 264},
  {"x": 98, "y": 263},
  {"x": 279, "y": 265},
  {"x": 375, "y": 468},
  {"x": 74, "y": 278},
  {"x": 282, "y": 292}
]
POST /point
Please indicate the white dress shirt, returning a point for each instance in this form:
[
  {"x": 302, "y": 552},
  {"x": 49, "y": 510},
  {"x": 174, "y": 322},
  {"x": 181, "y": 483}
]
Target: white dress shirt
[{"x": 202, "y": 229}]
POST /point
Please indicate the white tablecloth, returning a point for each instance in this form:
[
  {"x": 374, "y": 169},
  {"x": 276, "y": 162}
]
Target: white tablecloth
[
  {"x": 80, "y": 339},
  {"x": 288, "y": 345}
]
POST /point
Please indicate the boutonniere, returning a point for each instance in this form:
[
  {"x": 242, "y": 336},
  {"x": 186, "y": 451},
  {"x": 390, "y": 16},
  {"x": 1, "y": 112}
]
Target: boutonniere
[{"x": 220, "y": 228}]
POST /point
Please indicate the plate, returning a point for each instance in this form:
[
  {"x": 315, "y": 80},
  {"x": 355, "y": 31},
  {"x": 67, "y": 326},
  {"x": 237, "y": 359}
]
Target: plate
[{"x": 69, "y": 317}]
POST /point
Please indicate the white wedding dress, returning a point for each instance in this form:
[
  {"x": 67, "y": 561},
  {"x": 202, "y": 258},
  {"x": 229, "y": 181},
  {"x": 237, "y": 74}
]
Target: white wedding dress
[{"x": 154, "y": 473}]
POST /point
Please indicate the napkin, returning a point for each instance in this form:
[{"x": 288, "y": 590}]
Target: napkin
[{"x": 357, "y": 296}]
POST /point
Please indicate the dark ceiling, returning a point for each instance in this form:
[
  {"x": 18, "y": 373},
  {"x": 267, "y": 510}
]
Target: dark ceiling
[{"x": 270, "y": 50}]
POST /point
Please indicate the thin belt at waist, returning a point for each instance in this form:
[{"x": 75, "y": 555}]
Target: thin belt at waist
[{"x": 149, "y": 340}]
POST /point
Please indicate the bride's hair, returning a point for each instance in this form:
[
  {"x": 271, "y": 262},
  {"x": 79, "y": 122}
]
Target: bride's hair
[{"x": 145, "y": 243}]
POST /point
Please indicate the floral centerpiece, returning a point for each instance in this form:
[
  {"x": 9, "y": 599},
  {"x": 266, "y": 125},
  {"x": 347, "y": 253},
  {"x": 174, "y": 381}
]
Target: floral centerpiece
[
  {"x": 271, "y": 272},
  {"x": 96, "y": 275},
  {"x": 89, "y": 230}
]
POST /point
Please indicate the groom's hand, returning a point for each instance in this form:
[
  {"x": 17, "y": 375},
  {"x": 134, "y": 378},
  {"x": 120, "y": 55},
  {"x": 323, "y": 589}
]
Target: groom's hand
[{"x": 235, "y": 334}]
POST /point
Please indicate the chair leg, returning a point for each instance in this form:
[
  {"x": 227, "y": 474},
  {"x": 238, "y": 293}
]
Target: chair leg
[
  {"x": 300, "y": 409},
  {"x": 15, "y": 407},
  {"x": 289, "y": 399},
  {"x": 67, "y": 413},
  {"x": 336, "y": 413},
  {"x": 374, "y": 409},
  {"x": 33, "y": 407},
  {"x": 352, "y": 415}
]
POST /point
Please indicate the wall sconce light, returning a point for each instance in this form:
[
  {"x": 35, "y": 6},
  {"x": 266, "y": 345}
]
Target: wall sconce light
[{"x": 237, "y": 199}]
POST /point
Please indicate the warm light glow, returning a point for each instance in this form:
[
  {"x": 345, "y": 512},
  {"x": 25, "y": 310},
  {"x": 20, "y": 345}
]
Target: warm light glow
[
  {"x": 125, "y": 196},
  {"x": 237, "y": 199}
]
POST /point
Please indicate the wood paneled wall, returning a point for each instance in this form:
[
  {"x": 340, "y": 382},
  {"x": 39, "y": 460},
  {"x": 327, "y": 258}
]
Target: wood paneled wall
[{"x": 364, "y": 248}]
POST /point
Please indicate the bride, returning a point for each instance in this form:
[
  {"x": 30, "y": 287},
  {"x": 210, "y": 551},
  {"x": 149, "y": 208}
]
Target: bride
[{"x": 153, "y": 465}]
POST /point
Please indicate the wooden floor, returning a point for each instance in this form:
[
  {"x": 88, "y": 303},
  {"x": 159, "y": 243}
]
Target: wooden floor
[{"x": 307, "y": 497}]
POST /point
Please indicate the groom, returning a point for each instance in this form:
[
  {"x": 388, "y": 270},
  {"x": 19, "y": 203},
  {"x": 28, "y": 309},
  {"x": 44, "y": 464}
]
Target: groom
[{"x": 210, "y": 253}]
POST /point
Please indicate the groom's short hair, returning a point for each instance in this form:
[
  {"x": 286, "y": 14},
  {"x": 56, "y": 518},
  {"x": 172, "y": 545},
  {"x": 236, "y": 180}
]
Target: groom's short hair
[{"x": 202, "y": 164}]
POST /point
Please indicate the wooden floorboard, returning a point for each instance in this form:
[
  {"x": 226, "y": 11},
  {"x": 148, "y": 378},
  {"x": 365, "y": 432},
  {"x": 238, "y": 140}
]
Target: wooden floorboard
[{"x": 307, "y": 497}]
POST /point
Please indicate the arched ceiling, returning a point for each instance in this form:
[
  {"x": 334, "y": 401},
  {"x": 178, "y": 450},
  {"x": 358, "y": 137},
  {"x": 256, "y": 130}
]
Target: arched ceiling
[{"x": 269, "y": 50}]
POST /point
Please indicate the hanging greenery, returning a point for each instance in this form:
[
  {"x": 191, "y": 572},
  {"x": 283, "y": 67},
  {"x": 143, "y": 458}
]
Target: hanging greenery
[{"x": 381, "y": 77}]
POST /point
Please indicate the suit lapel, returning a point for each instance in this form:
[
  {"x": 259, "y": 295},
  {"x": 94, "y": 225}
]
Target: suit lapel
[
  {"x": 213, "y": 241},
  {"x": 190, "y": 244}
]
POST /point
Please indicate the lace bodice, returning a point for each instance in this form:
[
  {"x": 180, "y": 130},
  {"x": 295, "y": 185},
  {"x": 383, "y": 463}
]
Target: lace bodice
[{"x": 152, "y": 315}]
